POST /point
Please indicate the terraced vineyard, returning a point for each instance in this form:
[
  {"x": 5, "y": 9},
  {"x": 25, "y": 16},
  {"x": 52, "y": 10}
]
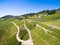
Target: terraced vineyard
[{"x": 43, "y": 32}]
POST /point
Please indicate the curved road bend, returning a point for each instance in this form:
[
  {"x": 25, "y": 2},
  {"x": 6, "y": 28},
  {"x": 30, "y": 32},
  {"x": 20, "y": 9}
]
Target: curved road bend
[{"x": 23, "y": 42}]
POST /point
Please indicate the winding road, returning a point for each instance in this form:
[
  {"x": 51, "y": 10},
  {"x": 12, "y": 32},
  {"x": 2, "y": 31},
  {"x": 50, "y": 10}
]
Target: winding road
[
  {"x": 46, "y": 30},
  {"x": 51, "y": 26},
  {"x": 23, "y": 42}
]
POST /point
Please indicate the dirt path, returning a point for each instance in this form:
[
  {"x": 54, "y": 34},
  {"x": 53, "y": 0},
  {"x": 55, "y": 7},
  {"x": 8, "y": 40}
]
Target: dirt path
[
  {"x": 17, "y": 37},
  {"x": 23, "y": 42},
  {"x": 51, "y": 26},
  {"x": 45, "y": 30}
]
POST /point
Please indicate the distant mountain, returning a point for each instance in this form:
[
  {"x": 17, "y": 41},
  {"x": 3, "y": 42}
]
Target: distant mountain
[
  {"x": 49, "y": 12},
  {"x": 10, "y": 16}
]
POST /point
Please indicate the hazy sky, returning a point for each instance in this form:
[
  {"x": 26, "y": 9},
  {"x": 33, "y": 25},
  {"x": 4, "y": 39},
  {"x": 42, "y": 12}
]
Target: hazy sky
[{"x": 19, "y": 7}]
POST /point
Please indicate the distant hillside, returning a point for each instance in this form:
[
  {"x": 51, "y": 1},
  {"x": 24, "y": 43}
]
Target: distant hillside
[
  {"x": 44, "y": 27},
  {"x": 49, "y": 12},
  {"x": 10, "y": 16}
]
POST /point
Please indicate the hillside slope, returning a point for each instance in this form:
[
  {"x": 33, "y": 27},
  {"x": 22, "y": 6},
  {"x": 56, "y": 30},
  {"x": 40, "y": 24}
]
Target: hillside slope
[{"x": 45, "y": 30}]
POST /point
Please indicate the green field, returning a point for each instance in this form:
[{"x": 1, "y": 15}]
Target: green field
[{"x": 40, "y": 36}]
